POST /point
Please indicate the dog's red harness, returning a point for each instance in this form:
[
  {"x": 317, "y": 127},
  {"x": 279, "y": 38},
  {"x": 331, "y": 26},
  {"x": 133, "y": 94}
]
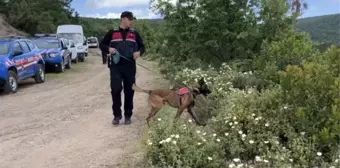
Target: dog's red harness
[{"x": 181, "y": 92}]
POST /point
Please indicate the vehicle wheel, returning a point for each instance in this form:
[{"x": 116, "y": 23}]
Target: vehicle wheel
[
  {"x": 76, "y": 60},
  {"x": 61, "y": 67},
  {"x": 11, "y": 85},
  {"x": 40, "y": 74},
  {"x": 69, "y": 64},
  {"x": 82, "y": 58}
]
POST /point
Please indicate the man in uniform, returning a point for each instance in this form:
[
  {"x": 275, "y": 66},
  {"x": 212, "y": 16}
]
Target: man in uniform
[{"x": 126, "y": 42}]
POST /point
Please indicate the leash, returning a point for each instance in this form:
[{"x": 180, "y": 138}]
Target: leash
[{"x": 108, "y": 55}]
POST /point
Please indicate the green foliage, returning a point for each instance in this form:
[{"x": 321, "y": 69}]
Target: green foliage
[
  {"x": 275, "y": 56},
  {"x": 323, "y": 29},
  {"x": 38, "y": 16},
  {"x": 275, "y": 97}
]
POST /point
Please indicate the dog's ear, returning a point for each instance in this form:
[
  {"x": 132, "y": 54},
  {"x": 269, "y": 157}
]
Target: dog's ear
[
  {"x": 196, "y": 91},
  {"x": 201, "y": 81}
]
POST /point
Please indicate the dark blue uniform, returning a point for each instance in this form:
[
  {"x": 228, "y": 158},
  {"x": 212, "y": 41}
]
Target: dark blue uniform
[{"x": 126, "y": 42}]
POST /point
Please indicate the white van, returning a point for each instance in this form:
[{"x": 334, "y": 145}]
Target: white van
[
  {"x": 93, "y": 42},
  {"x": 76, "y": 34}
]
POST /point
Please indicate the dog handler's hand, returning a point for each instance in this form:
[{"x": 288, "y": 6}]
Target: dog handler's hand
[
  {"x": 112, "y": 51},
  {"x": 136, "y": 54}
]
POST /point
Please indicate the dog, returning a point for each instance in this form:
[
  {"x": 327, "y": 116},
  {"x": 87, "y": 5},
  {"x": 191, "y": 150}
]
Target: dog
[{"x": 183, "y": 98}]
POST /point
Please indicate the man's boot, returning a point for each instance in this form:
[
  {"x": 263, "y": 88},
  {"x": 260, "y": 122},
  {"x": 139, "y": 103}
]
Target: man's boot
[
  {"x": 127, "y": 121},
  {"x": 116, "y": 120}
]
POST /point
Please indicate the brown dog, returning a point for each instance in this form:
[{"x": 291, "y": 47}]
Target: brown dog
[{"x": 182, "y": 99}]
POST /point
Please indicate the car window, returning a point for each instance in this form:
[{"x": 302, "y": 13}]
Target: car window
[
  {"x": 4, "y": 48},
  {"x": 31, "y": 45},
  {"x": 16, "y": 47},
  {"x": 24, "y": 47}
]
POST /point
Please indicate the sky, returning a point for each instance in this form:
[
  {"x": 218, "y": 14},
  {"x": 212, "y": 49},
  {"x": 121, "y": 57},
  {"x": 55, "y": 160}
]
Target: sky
[{"x": 140, "y": 8}]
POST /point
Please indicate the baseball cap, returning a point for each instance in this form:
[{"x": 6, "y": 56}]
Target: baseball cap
[{"x": 128, "y": 14}]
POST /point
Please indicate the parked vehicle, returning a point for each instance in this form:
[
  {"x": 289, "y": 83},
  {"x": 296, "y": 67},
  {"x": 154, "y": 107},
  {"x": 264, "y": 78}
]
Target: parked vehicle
[
  {"x": 93, "y": 42},
  {"x": 54, "y": 52},
  {"x": 19, "y": 60},
  {"x": 72, "y": 48},
  {"x": 75, "y": 33},
  {"x": 86, "y": 45}
]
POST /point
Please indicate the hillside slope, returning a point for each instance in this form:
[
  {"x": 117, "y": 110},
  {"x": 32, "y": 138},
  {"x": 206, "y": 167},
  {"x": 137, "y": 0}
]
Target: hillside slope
[
  {"x": 7, "y": 29},
  {"x": 321, "y": 28}
]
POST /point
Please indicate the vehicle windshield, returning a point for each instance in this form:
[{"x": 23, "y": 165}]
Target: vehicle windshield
[
  {"x": 46, "y": 44},
  {"x": 92, "y": 40},
  {"x": 4, "y": 48},
  {"x": 76, "y": 37}
]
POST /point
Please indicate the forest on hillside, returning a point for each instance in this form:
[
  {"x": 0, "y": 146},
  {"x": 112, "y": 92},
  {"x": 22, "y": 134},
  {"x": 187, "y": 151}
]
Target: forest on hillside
[
  {"x": 43, "y": 16},
  {"x": 322, "y": 28}
]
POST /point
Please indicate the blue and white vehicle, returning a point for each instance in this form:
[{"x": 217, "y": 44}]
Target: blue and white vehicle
[
  {"x": 54, "y": 52},
  {"x": 19, "y": 60}
]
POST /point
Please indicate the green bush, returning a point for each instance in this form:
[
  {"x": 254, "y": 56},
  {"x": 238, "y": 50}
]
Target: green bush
[{"x": 295, "y": 124}]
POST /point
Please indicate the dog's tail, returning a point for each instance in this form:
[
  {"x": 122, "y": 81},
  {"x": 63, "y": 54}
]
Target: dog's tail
[{"x": 138, "y": 89}]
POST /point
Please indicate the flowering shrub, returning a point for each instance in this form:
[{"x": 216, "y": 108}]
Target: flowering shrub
[{"x": 293, "y": 123}]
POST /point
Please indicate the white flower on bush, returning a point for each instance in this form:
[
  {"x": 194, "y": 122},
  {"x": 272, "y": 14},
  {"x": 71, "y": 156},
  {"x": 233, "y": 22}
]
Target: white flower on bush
[
  {"x": 319, "y": 153},
  {"x": 285, "y": 107},
  {"x": 204, "y": 133},
  {"x": 226, "y": 134},
  {"x": 253, "y": 114},
  {"x": 199, "y": 143},
  {"x": 240, "y": 132},
  {"x": 174, "y": 142},
  {"x": 159, "y": 119},
  {"x": 265, "y": 161},
  {"x": 149, "y": 142},
  {"x": 218, "y": 140},
  {"x": 210, "y": 158},
  {"x": 190, "y": 121},
  {"x": 258, "y": 159},
  {"x": 214, "y": 135},
  {"x": 291, "y": 160},
  {"x": 198, "y": 131},
  {"x": 266, "y": 142},
  {"x": 251, "y": 141},
  {"x": 168, "y": 140},
  {"x": 176, "y": 136},
  {"x": 302, "y": 133},
  {"x": 231, "y": 165},
  {"x": 235, "y": 122},
  {"x": 267, "y": 124},
  {"x": 236, "y": 160}
]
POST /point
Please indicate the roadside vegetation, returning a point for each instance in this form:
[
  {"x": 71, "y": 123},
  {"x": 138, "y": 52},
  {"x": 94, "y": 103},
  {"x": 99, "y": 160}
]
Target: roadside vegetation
[{"x": 276, "y": 96}]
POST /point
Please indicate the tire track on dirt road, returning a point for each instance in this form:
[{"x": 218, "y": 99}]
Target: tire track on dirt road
[{"x": 66, "y": 121}]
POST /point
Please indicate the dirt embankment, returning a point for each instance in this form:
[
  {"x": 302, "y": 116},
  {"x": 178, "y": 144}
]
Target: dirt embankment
[
  {"x": 7, "y": 29},
  {"x": 66, "y": 121}
]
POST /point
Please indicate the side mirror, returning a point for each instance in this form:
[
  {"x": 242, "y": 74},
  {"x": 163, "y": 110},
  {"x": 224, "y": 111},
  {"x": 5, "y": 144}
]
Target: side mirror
[
  {"x": 65, "y": 48},
  {"x": 72, "y": 46},
  {"x": 85, "y": 42},
  {"x": 16, "y": 53}
]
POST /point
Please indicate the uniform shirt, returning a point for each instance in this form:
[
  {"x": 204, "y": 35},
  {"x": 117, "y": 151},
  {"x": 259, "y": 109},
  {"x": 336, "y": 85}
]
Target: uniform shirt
[{"x": 105, "y": 43}]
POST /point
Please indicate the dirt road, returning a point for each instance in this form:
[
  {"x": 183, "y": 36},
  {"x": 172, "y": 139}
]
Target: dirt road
[{"x": 66, "y": 121}]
